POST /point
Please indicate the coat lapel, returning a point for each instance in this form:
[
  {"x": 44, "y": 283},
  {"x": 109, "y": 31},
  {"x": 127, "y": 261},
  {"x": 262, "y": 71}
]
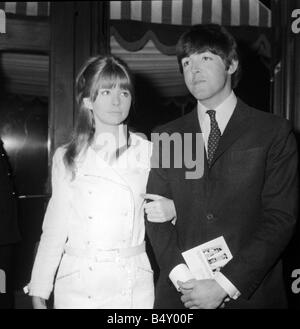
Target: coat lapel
[
  {"x": 192, "y": 125},
  {"x": 93, "y": 165},
  {"x": 236, "y": 126}
]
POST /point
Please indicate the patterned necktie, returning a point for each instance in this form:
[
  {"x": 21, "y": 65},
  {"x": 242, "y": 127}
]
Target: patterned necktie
[{"x": 214, "y": 136}]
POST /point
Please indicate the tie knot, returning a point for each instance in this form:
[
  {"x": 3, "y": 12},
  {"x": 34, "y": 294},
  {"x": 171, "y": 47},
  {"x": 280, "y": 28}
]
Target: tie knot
[{"x": 211, "y": 113}]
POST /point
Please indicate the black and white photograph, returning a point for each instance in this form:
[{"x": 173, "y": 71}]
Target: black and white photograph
[{"x": 149, "y": 157}]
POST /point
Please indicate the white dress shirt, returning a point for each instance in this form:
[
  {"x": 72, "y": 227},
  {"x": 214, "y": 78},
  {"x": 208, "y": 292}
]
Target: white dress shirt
[{"x": 224, "y": 112}]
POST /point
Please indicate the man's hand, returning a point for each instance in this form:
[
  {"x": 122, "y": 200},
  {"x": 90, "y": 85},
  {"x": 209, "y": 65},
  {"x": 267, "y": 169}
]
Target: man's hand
[
  {"x": 206, "y": 294},
  {"x": 160, "y": 209}
]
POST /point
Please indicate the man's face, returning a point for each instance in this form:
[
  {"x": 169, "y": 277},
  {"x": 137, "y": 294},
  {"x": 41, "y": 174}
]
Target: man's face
[{"x": 207, "y": 78}]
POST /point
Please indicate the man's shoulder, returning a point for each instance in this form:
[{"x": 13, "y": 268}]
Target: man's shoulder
[
  {"x": 265, "y": 119},
  {"x": 139, "y": 137},
  {"x": 174, "y": 125}
]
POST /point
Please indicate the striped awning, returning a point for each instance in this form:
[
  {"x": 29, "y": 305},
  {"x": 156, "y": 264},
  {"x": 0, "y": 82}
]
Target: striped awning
[
  {"x": 26, "y": 8},
  {"x": 190, "y": 12}
]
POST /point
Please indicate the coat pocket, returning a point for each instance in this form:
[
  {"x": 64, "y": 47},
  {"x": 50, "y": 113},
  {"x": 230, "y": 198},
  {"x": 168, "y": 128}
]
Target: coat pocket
[
  {"x": 68, "y": 275},
  {"x": 144, "y": 287},
  {"x": 144, "y": 277},
  {"x": 68, "y": 270},
  {"x": 244, "y": 165},
  {"x": 144, "y": 271},
  {"x": 143, "y": 266}
]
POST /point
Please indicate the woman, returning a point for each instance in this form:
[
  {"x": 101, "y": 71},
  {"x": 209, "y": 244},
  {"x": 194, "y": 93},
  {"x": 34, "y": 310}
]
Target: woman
[{"x": 93, "y": 229}]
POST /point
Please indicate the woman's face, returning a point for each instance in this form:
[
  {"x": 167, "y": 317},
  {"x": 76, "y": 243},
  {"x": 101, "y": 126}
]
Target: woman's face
[{"x": 112, "y": 105}]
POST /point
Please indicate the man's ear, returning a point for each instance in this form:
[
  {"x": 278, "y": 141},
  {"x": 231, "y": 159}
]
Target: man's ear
[
  {"x": 87, "y": 103},
  {"x": 233, "y": 66}
]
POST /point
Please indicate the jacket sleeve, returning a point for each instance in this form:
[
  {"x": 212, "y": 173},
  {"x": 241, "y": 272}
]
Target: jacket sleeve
[
  {"x": 54, "y": 233},
  {"x": 162, "y": 236},
  {"x": 279, "y": 200}
]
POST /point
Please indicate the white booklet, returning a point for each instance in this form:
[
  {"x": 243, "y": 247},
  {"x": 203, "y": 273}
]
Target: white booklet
[{"x": 207, "y": 258}]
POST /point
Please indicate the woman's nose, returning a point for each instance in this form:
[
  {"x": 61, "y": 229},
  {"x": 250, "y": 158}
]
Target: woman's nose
[{"x": 116, "y": 98}]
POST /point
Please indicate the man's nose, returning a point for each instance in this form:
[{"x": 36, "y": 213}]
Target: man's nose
[{"x": 196, "y": 67}]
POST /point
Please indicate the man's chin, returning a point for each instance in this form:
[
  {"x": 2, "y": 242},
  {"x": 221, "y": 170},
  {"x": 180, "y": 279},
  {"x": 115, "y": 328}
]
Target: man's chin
[{"x": 199, "y": 95}]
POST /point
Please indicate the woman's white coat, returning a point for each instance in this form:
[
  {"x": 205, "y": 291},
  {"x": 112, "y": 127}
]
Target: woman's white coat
[{"x": 102, "y": 208}]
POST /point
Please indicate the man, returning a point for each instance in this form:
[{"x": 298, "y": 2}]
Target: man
[
  {"x": 247, "y": 193},
  {"x": 9, "y": 232}
]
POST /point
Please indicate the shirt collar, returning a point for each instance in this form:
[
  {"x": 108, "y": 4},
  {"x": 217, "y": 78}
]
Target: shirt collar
[{"x": 223, "y": 111}]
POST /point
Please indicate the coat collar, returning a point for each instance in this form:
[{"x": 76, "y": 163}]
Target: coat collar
[
  {"x": 89, "y": 163},
  {"x": 237, "y": 125}
]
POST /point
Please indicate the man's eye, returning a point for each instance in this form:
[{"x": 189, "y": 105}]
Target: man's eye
[
  {"x": 206, "y": 58},
  {"x": 185, "y": 63}
]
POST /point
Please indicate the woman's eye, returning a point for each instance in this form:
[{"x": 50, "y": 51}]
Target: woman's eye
[
  {"x": 125, "y": 93},
  {"x": 206, "y": 58},
  {"x": 105, "y": 92}
]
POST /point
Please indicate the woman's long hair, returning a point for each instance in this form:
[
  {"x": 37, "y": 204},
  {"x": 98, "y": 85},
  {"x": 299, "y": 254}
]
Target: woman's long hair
[{"x": 97, "y": 72}]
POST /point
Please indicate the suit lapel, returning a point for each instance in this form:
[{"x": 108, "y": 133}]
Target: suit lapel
[
  {"x": 237, "y": 124},
  {"x": 192, "y": 125}
]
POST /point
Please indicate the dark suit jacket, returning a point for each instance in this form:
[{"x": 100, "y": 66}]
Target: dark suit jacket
[
  {"x": 9, "y": 232},
  {"x": 249, "y": 195}
]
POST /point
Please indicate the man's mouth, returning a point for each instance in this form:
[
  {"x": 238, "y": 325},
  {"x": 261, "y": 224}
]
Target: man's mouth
[{"x": 195, "y": 81}]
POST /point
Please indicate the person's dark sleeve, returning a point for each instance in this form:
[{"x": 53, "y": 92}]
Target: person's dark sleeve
[
  {"x": 279, "y": 200},
  {"x": 162, "y": 236}
]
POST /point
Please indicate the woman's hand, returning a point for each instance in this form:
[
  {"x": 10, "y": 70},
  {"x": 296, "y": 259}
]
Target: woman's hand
[
  {"x": 159, "y": 209},
  {"x": 39, "y": 303}
]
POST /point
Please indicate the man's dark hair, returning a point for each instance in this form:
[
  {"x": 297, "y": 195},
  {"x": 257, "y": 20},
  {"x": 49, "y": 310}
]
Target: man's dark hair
[{"x": 213, "y": 38}]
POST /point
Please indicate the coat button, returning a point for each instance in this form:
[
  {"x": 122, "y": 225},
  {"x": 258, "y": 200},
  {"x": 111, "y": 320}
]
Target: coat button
[{"x": 209, "y": 216}]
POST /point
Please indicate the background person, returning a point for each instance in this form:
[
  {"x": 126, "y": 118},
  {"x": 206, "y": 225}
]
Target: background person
[{"x": 9, "y": 231}]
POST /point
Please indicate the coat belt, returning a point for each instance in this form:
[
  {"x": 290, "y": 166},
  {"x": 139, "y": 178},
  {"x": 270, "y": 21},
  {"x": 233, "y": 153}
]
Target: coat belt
[{"x": 100, "y": 255}]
